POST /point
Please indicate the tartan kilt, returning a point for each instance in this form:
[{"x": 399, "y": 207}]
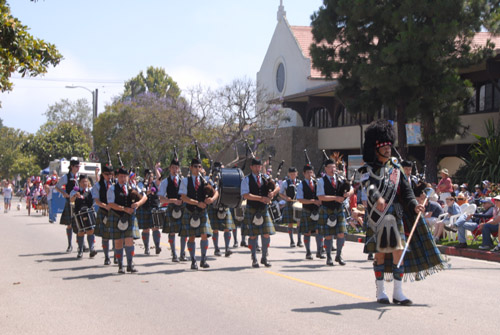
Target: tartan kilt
[
  {"x": 113, "y": 233},
  {"x": 100, "y": 227},
  {"x": 371, "y": 237},
  {"x": 220, "y": 224},
  {"x": 204, "y": 228},
  {"x": 66, "y": 215},
  {"x": 237, "y": 223},
  {"x": 287, "y": 213},
  {"x": 144, "y": 217},
  {"x": 306, "y": 223},
  {"x": 326, "y": 230},
  {"x": 249, "y": 229},
  {"x": 171, "y": 225}
]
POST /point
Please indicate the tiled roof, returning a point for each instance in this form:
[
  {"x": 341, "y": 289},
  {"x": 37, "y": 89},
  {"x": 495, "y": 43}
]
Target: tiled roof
[{"x": 304, "y": 37}]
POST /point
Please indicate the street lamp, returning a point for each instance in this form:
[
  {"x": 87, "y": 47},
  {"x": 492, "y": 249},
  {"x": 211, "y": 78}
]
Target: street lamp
[{"x": 94, "y": 108}]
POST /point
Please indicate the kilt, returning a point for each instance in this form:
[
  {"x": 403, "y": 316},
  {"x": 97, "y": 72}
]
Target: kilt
[
  {"x": 113, "y": 233},
  {"x": 100, "y": 227},
  {"x": 422, "y": 258},
  {"x": 326, "y": 230},
  {"x": 249, "y": 229},
  {"x": 371, "y": 237},
  {"x": 220, "y": 224},
  {"x": 287, "y": 213},
  {"x": 144, "y": 217},
  {"x": 306, "y": 223},
  {"x": 66, "y": 214},
  {"x": 172, "y": 226},
  {"x": 237, "y": 223},
  {"x": 187, "y": 230}
]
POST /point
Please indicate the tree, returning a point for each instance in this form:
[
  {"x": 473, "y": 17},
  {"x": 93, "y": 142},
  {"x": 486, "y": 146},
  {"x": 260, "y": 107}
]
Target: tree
[
  {"x": 156, "y": 81},
  {"x": 12, "y": 160},
  {"x": 21, "y": 52},
  {"x": 78, "y": 113},
  {"x": 51, "y": 143},
  {"x": 403, "y": 55}
]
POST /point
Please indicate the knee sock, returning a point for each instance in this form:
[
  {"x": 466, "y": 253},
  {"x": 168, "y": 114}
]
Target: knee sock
[
  {"x": 319, "y": 243},
  {"x": 203, "y": 247},
  {"x": 299, "y": 235},
  {"x": 145, "y": 239},
  {"x": 265, "y": 245},
  {"x": 156, "y": 238},
  {"x": 290, "y": 233},
  {"x": 398, "y": 273},
  {"x": 119, "y": 256},
  {"x": 307, "y": 243},
  {"x": 215, "y": 239},
  {"x": 105, "y": 248},
  {"x": 379, "y": 271},
  {"x": 171, "y": 241},
  {"x": 69, "y": 234},
  {"x": 227, "y": 239},
  {"x": 328, "y": 247},
  {"x": 192, "y": 250},
  {"x": 130, "y": 254},
  {"x": 243, "y": 239},
  {"x": 183, "y": 245},
  {"x": 91, "y": 241},
  {"x": 79, "y": 241},
  {"x": 340, "y": 245},
  {"x": 252, "y": 244},
  {"x": 235, "y": 234}
]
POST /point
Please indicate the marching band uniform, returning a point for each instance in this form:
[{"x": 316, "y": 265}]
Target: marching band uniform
[
  {"x": 306, "y": 194},
  {"x": 145, "y": 217},
  {"x": 82, "y": 196},
  {"x": 390, "y": 200},
  {"x": 331, "y": 214},
  {"x": 257, "y": 218},
  {"x": 288, "y": 191},
  {"x": 122, "y": 222},
  {"x": 99, "y": 193},
  {"x": 69, "y": 181},
  {"x": 169, "y": 193},
  {"x": 195, "y": 222}
]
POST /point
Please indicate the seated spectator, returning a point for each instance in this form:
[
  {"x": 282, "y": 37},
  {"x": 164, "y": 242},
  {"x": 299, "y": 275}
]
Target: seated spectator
[
  {"x": 461, "y": 199},
  {"x": 464, "y": 190},
  {"x": 433, "y": 209},
  {"x": 471, "y": 222},
  {"x": 453, "y": 209},
  {"x": 490, "y": 227}
]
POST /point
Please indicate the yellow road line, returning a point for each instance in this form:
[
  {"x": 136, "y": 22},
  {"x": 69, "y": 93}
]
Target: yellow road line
[{"x": 319, "y": 286}]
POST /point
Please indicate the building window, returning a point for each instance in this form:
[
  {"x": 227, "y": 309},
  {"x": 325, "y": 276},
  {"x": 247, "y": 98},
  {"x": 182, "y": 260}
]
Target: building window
[
  {"x": 280, "y": 78},
  {"x": 485, "y": 100},
  {"x": 321, "y": 118}
]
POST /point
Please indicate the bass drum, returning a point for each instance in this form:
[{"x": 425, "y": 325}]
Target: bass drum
[{"x": 230, "y": 188}]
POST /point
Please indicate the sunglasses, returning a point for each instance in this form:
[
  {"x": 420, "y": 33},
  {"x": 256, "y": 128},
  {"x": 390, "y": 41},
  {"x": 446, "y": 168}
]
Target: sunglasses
[{"x": 461, "y": 199}]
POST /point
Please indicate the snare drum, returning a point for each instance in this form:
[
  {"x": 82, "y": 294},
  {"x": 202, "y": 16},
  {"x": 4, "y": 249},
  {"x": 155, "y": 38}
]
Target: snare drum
[
  {"x": 275, "y": 212},
  {"x": 159, "y": 217},
  {"x": 297, "y": 211},
  {"x": 229, "y": 188},
  {"x": 85, "y": 219}
]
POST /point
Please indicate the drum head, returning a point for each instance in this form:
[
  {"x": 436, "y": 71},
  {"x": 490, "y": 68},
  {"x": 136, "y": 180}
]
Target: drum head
[{"x": 229, "y": 188}]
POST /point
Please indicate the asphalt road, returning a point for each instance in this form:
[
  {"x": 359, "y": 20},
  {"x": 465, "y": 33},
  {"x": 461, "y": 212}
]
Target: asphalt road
[{"x": 44, "y": 290}]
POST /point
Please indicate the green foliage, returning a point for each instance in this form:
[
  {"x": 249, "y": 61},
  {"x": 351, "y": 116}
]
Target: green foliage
[
  {"x": 66, "y": 140},
  {"x": 156, "y": 81},
  {"x": 78, "y": 113},
  {"x": 21, "y": 52},
  {"x": 11, "y": 155},
  {"x": 484, "y": 161}
]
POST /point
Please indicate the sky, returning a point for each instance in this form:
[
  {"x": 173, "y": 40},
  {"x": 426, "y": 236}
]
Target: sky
[{"x": 107, "y": 42}]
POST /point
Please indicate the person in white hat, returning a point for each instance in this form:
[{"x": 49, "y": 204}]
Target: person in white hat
[{"x": 445, "y": 186}]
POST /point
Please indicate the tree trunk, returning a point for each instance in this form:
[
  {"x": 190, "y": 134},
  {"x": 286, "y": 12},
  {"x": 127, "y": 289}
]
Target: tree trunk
[
  {"x": 431, "y": 150},
  {"x": 402, "y": 141}
]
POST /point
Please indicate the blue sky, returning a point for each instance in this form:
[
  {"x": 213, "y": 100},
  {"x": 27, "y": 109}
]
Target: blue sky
[{"x": 106, "y": 42}]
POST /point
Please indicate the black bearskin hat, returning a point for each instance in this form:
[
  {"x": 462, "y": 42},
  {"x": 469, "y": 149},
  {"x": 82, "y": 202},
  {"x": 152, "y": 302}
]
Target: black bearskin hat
[{"x": 378, "y": 132}]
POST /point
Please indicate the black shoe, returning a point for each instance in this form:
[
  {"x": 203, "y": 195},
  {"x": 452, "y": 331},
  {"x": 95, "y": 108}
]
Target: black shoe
[
  {"x": 131, "y": 269},
  {"x": 339, "y": 260},
  {"x": 309, "y": 256},
  {"x": 265, "y": 262},
  {"x": 217, "y": 252},
  {"x": 228, "y": 253},
  {"x": 92, "y": 253},
  {"x": 370, "y": 257},
  {"x": 258, "y": 249},
  {"x": 329, "y": 262},
  {"x": 461, "y": 246},
  {"x": 183, "y": 258},
  {"x": 107, "y": 261},
  {"x": 115, "y": 260},
  {"x": 406, "y": 302},
  {"x": 235, "y": 245},
  {"x": 299, "y": 244},
  {"x": 69, "y": 249},
  {"x": 157, "y": 250},
  {"x": 85, "y": 249},
  {"x": 80, "y": 254},
  {"x": 384, "y": 301},
  {"x": 292, "y": 244},
  {"x": 243, "y": 244},
  {"x": 146, "y": 251},
  {"x": 333, "y": 248},
  {"x": 255, "y": 264},
  {"x": 320, "y": 255},
  {"x": 204, "y": 264},
  {"x": 452, "y": 228},
  {"x": 194, "y": 266},
  {"x": 175, "y": 259},
  {"x": 120, "y": 269}
]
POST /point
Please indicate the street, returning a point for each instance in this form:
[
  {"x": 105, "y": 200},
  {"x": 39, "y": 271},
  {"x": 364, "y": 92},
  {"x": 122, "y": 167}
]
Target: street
[{"x": 44, "y": 290}]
